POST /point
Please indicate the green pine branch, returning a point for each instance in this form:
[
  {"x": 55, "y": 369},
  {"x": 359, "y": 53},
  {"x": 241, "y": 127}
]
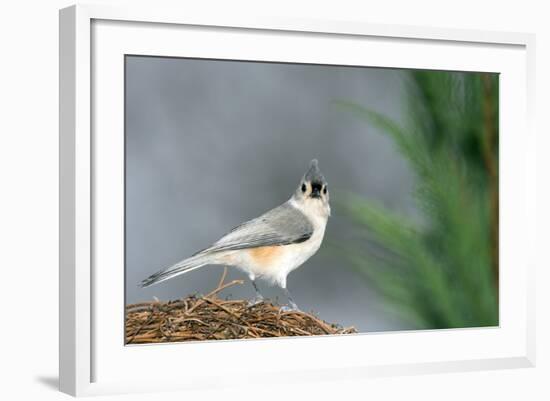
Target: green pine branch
[{"x": 439, "y": 273}]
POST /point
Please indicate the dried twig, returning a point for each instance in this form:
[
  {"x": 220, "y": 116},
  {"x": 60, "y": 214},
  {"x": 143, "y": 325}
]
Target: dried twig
[{"x": 210, "y": 318}]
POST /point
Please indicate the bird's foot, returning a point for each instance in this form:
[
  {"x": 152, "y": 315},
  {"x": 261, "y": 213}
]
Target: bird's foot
[
  {"x": 290, "y": 308},
  {"x": 291, "y": 304},
  {"x": 257, "y": 300}
]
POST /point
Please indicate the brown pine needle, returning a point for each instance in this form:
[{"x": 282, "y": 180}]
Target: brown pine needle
[{"x": 211, "y": 318}]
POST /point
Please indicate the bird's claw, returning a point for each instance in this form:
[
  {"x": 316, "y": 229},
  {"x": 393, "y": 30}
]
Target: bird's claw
[
  {"x": 255, "y": 301},
  {"x": 291, "y": 308}
]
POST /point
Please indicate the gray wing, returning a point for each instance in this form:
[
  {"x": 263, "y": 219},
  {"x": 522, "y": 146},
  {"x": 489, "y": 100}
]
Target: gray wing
[{"x": 280, "y": 226}]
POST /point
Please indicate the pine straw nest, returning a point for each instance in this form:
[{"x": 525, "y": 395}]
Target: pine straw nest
[{"x": 211, "y": 318}]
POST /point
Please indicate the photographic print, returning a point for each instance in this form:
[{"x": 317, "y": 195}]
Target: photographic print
[{"x": 268, "y": 199}]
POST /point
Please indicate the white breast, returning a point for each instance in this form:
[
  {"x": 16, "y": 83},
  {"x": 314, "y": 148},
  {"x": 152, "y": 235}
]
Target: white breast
[{"x": 297, "y": 254}]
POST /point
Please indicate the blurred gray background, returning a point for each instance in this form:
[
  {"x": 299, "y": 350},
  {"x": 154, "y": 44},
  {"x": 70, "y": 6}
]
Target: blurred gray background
[{"x": 210, "y": 144}]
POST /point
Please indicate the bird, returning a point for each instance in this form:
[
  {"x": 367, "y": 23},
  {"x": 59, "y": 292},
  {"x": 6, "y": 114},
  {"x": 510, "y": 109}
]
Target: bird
[{"x": 270, "y": 246}]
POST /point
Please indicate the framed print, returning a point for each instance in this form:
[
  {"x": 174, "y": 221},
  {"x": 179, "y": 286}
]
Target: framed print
[{"x": 335, "y": 198}]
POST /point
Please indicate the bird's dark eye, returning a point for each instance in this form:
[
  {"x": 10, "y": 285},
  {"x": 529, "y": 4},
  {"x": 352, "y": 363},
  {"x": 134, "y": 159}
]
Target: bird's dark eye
[
  {"x": 303, "y": 187},
  {"x": 325, "y": 190}
]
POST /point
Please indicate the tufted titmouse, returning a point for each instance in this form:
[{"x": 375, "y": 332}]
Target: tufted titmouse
[{"x": 272, "y": 245}]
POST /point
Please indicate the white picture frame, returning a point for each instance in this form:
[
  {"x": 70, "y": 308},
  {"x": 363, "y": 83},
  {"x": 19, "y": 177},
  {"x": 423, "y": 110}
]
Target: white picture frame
[{"x": 92, "y": 41}]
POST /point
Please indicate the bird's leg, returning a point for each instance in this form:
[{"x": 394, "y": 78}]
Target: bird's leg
[
  {"x": 259, "y": 297},
  {"x": 293, "y": 305}
]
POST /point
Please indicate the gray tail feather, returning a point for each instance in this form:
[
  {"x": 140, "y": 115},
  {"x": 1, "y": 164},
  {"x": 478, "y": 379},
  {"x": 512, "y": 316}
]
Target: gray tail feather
[{"x": 185, "y": 266}]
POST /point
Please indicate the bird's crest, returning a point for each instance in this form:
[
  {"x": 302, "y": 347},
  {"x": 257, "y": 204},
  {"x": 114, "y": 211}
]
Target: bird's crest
[{"x": 314, "y": 173}]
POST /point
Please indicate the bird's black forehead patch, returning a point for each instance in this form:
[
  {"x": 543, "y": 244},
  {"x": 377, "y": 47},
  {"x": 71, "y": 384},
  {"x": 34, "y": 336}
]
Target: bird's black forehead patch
[
  {"x": 318, "y": 186},
  {"x": 314, "y": 174}
]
